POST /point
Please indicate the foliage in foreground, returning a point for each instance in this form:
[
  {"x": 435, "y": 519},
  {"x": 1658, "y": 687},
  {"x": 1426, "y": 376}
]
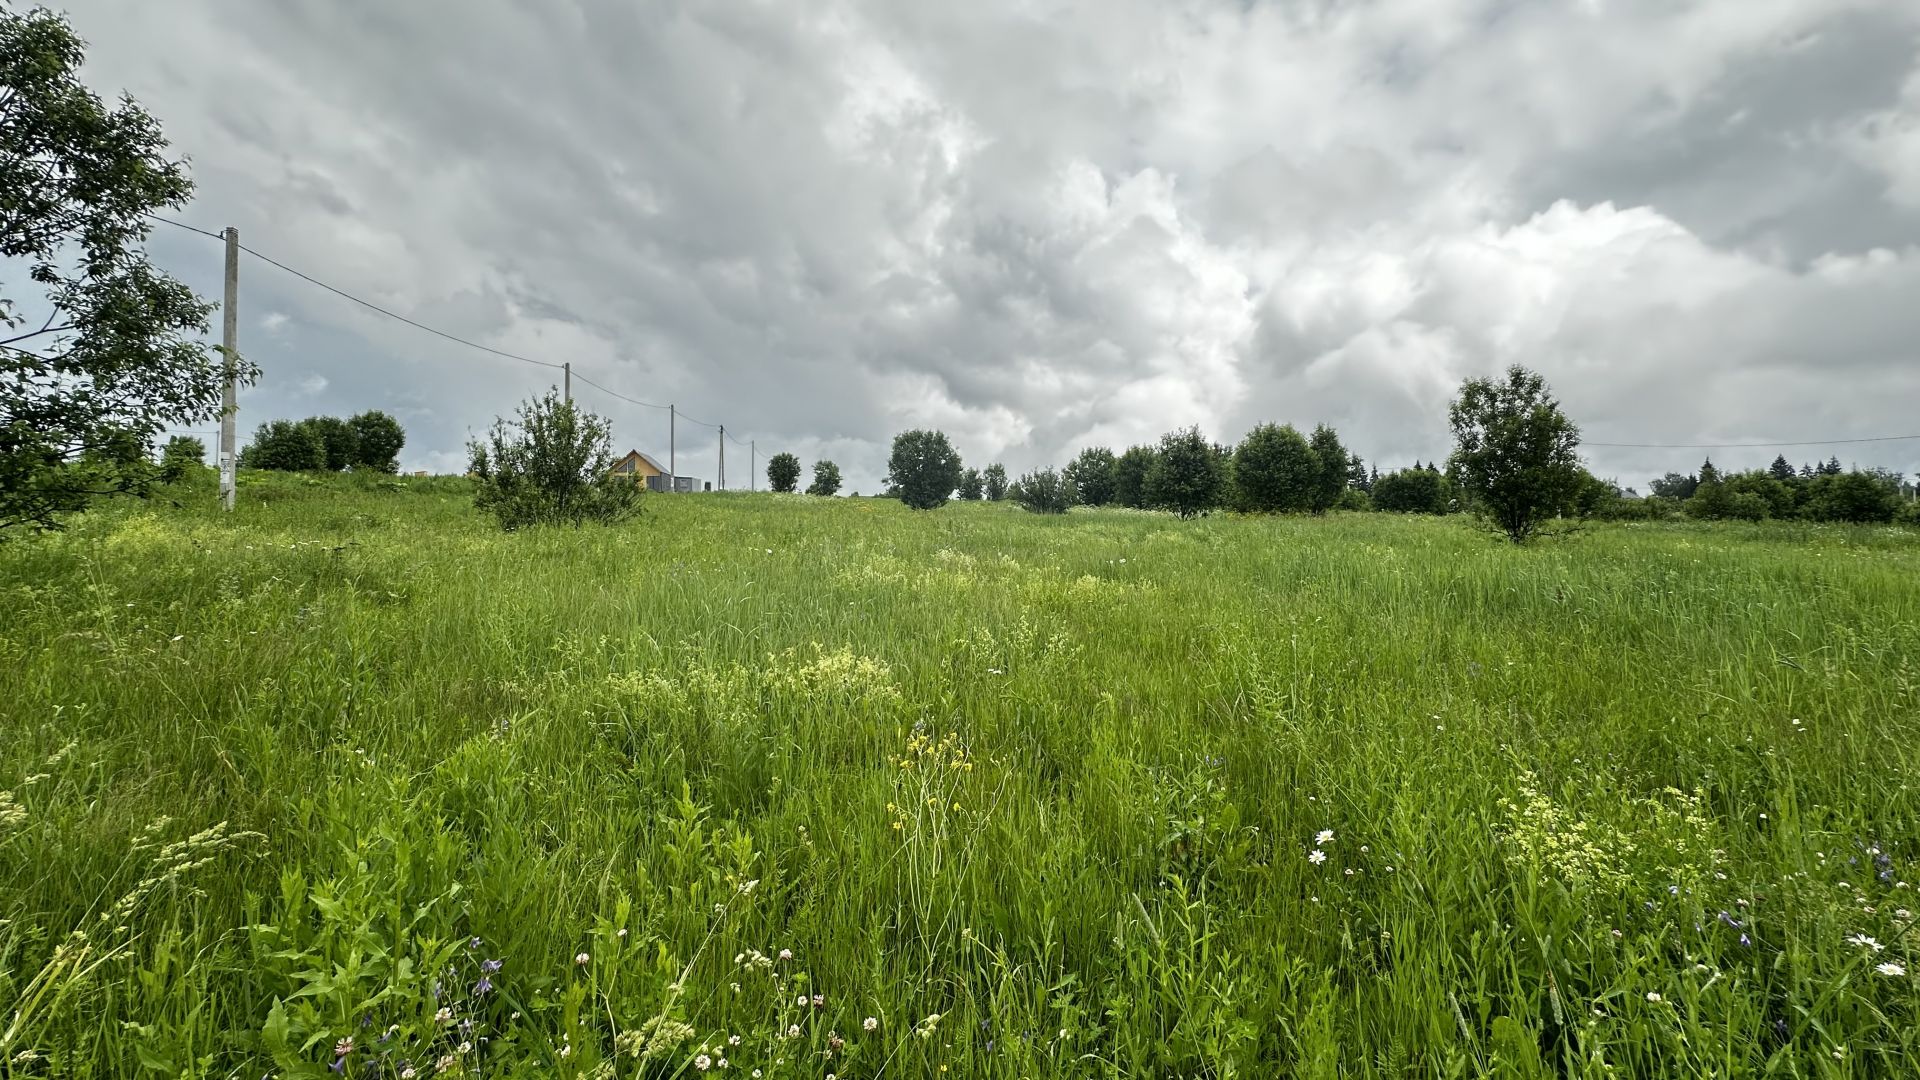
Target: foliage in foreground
[
  {"x": 550, "y": 467},
  {"x": 356, "y": 779},
  {"x": 119, "y": 356}
]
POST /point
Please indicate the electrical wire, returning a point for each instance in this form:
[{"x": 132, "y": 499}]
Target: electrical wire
[{"x": 618, "y": 394}]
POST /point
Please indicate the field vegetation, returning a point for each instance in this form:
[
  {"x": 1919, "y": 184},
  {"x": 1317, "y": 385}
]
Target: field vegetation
[{"x": 354, "y": 783}]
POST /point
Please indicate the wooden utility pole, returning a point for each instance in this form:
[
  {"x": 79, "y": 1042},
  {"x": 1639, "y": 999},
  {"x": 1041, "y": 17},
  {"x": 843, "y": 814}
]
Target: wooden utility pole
[
  {"x": 753, "y": 462},
  {"x": 723, "y": 457},
  {"x": 673, "y": 470},
  {"x": 230, "y": 350},
  {"x": 566, "y": 380}
]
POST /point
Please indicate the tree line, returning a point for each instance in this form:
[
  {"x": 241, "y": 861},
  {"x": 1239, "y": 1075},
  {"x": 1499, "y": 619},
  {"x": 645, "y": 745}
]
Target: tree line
[{"x": 1515, "y": 463}]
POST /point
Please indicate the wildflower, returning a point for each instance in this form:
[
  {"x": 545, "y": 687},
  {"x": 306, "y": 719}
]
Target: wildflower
[
  {"x": 582, "y": 959},
  {"x": 756, "y": 1074},
  {"x": 1865, "y": 942},
  {"x": 444, "y": 1016},
  {"x": 1653, "y": 996},
  {"x": 1323, "y": 838},
  {"x": 566, "y": 1050},
  {"x": 488, "y": 967},
  {"x": 801, "y": 1000},
  {"x": 483, "y": 987},
  {"x": 703, "y": 1063},
  {"x": 1349, "y": 871},
  {"x": 1617, "y": 935},
  {"x": 819, "y": 1001},
  {"x": 786, "y": 954},
  {"x": 1316, "y": 856},
  {"x": 870, "y": 1023},
  {"x": 793, "y": 1031},
  {"x": 1746, "y": 942},
  {"x": 446, "y": 1061},
  {"x": 722, "y": 1063},
  {"x": 407, "y": 1073},
  {"x": 733, "y": 1040},
  {"x": 1902, "y": 914},
  {"x": 473, "y": 943},
  {"x": 465, "y": 1048},
  {"x": 1890, "y": 968},
  {"x": 620, "y": 933}
]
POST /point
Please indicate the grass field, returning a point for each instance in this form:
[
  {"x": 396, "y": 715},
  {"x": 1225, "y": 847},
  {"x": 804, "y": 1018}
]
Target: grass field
[{"x": 350, "y": 783}]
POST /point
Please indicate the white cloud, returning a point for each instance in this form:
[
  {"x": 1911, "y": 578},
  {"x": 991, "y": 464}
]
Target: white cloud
[{"x": 1044, "y": 227}]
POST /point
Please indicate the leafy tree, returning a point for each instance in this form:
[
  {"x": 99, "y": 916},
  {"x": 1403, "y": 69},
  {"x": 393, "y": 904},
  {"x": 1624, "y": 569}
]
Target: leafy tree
[
  {"x": 1275, "y": 470},
  {"x": 1046, "y": 492},
  {"x": 118, "y": 357},
  {"x": 1775, "y": 494},
  {"x": 182, "y": 457},
  {"x": 379, "y": 439},
  {"x": 1185, "y": 476},
  {"x": 925, "y": 468},
  {"x": 1130, "y": 476},
  {"x": 1091, "y": 475},
  {"x": 1861, "y": 497},
  {"x": 1780, "y": 470},
  {"x": 1674, "y": 486},
  {"x": 994, "y": 480},
  {"x": 971, "y": 486},
  {"x": 1410, "y": 491},
  {"x": 551, "y": 466},
  {"x": 1331, "y": 480},
  {"x": 1357, "y": 477},
  {"x": 341, "y": 442},
  {"x": 1514, "y": 450},
  {"x": 826, "y": 479},
  {"x": 285, "y": 446},
  {"x": 783, "y": 472}
]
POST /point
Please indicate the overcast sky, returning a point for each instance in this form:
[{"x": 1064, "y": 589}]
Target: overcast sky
[{"x": 1039, "y": 226}]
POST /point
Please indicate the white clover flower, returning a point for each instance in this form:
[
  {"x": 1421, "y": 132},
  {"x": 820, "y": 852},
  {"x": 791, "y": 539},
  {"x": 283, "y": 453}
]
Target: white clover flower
[
  {"x": 582, "y": 959},
  {"x": 870, "y": 1023},
  {"x": 703, "y": 1063}
]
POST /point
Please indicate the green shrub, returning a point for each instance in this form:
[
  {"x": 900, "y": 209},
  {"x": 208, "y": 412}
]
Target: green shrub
[
  {"x": 1045, "y": 491},
  {"x": 551, "y": 467}
]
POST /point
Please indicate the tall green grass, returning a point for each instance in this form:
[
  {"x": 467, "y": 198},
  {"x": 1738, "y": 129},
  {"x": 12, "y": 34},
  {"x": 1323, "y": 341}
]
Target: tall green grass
[{"x": 1038, "y": 796}]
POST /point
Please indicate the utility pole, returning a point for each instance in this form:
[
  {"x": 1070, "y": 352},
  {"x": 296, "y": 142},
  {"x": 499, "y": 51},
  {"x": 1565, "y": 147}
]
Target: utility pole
[
  {"x": 673, "y": 470},
  {"x": 230, "y": 349},
  {"x": 723, "y": 457},
  {"x": 753, "y": 462},
  {"x": 566, "y": 380}
]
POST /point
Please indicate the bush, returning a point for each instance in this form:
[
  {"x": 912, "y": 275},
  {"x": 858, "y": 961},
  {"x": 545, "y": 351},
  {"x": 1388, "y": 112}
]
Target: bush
[
  {"x": 1186, "y": 475},
  {"x": 972, "y": 487},
  {"x": 1411, "y": 491},
  {"x": 379, "y": 438},
  {"x": 1091, "y": 476},
  {"x": 341, "y": 441},
  {"x": 1860, "y": 497},
  {"x": 550, "y": 467},
  {"x": 182, "y": 457},
  {"x": 1354, "y": 499},
  {"x": 783, "y": 472},
  {"x": 285, "y": 446},
  {"x": 1045, "y": 491},
  {"x": 1130, "y": 477},
  {"x": 924, "y": 467},
  {"x": 994, "y": 482},
  {"x": 1275, "y": 471},
  {"x": 826, "y": 479}
]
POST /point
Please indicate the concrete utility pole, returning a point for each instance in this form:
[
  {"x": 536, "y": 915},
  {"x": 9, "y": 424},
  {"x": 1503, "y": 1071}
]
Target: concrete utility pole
[
  {"x": 673, "y": 470},
  {"x": 230, "y": 349},
  {"x": 723, "y": 457},
  {"x": 753, "y": 462},
  {"x": 566, "y": 380}
]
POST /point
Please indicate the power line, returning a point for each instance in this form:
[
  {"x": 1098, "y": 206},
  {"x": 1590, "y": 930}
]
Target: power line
[
  {"x": 310, "y": 279},
  {"x": 368, "y": 304},
  {"x": 1748, "y": 446},
  {"x": 616, "y": 393}
]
